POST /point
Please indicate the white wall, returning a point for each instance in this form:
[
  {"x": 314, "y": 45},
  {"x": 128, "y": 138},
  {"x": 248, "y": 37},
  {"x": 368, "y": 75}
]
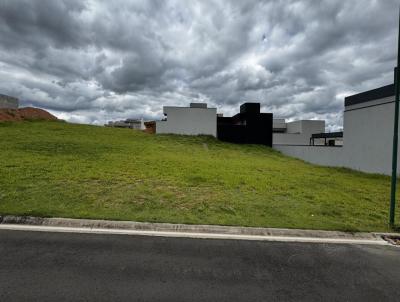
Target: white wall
[
  {"x": 367, "y": 140},
  {"x": 189, "y": 121},
  {"x": 290, "y": 139},
  {"x": 299, "y": 132},
  {"x": 368, "y": 135},
  {"x": 320, "y": 155}
]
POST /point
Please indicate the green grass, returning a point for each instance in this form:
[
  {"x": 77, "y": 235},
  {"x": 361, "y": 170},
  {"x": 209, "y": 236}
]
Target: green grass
[{"x": 55, "y": 169}]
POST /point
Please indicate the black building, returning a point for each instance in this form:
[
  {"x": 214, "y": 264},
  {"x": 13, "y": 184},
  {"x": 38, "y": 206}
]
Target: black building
[{"x": 247, "y": 127}]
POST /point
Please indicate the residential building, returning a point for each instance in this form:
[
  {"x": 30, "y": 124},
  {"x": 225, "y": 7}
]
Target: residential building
[
  {"x": 197, "y": 119},
  {"x": 296, "y": 132},
  {"x": 247, "y": 127},
  {"x": 128, "y": 123},
  {"x": 368, "y": 123}
]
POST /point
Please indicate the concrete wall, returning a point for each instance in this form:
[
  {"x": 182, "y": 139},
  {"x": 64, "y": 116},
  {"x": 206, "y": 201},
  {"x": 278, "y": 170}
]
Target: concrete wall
[
  {"x": 189, "y": 121},
  {"x": 320, "y": 155},
  {"x": 8, "y": 102},
  {"x": 367, "y": 140},
  {"x": 368, "y": 135},
  {"x": 299, "y": 132}
]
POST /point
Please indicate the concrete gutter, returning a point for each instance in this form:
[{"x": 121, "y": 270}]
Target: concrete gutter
[{"x": 27, "y": 223}]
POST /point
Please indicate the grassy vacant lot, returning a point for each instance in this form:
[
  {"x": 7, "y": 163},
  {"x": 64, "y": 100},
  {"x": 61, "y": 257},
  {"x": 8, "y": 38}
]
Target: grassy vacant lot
[{"x": 66, "y": 170}]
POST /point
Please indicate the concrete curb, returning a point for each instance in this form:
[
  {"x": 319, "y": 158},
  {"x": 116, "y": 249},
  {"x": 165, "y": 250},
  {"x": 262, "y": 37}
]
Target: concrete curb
[{"x": 186, "y": 230}]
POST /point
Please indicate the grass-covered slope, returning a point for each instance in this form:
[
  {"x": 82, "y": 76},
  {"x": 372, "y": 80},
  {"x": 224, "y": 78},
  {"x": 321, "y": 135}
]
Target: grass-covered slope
[{"x": 67, "y": 170}]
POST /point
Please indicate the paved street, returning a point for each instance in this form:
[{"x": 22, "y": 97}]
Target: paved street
[{"x": 39, "y": 266}]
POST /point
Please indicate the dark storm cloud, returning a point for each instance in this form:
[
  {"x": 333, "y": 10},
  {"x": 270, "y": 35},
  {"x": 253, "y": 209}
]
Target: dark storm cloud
[
  {"x": 91, "y": 61},
  {"x": 36, "y": 24}
]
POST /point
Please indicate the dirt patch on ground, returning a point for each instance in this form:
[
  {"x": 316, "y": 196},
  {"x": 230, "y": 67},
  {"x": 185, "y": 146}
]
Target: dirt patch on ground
[
  {"x": 25, "y": 114},
  {"x": 150, "y": 127}
]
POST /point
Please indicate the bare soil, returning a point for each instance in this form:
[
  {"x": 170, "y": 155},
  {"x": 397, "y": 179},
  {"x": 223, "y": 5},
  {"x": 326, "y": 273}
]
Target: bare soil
[{"x": 23, "y": 114}]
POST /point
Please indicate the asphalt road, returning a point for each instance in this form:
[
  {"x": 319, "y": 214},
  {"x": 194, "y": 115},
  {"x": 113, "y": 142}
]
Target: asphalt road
[{"x": 38, "y": 266}]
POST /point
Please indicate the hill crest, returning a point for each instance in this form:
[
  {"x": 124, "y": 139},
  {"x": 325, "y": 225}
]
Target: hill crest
[{"x": 26, "y": 113}]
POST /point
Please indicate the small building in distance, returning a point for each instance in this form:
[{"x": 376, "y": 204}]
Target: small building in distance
[
  {"x": 197, "y": 119},
  {"x": 8, "y": 102},
  {"x": 297, "y": 132},
  {"x": 128, "y": 123},
  {"x": 247, "y": 127}
]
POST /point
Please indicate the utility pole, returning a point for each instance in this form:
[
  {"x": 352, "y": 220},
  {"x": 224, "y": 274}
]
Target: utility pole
[{"x": 395, "y": 135}]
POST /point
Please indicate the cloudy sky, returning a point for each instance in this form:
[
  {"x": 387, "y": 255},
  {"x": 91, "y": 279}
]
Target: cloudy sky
[{"x": 93, "y": 61}]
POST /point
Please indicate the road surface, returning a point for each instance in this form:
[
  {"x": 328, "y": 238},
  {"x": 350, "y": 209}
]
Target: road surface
[{"x": 42, "y": 266}]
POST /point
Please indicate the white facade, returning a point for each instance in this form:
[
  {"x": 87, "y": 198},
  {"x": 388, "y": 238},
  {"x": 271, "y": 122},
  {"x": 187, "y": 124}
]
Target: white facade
[
  {"x": 367, "y": 140},
  {"x": 368, "y": 136},
  {"x": 297, "y": 132},
  {"x": 319, "y": 155},
  {"x": 194, "y": 120}
]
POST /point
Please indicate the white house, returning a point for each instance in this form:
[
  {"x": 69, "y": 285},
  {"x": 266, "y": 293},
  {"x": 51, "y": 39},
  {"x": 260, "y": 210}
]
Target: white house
[
  {"x": 368, "y": 121},
  {"x": 297, "y": 132},
  {"x": 197, "y": 119}
]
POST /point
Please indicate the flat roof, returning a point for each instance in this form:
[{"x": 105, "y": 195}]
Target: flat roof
[
  {"x": 370, "y": 95},
  {"x": 188, "y": 107}
]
